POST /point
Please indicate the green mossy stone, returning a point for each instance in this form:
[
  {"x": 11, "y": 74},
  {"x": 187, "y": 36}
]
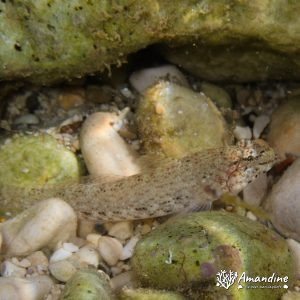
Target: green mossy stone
[
  {"x": 148, "y": 294},
  {"x": 186, "y": 253},
  {"x": 174, "y": 121},
  {"x": 36, "y": 161},
  {"x": 87, "y": 285}
]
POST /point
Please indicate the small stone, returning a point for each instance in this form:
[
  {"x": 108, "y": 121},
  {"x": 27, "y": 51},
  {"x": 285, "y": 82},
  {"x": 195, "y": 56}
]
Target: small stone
[
  {"x": 85, "y": 227},
  {"x": 93, "y": 238},
  {"x": 38, "y": 258},
  {"x": 71, "y": 99},
  {"x": 28, "y": 119},
  {"x": 44, "y": 224},
  {"x": 129, "y": 248},
  {"x": 62, "y": 270},
  {"x": 8, "y": 269},
  {"x": 295, "y": 248},
  {"x": 88, "y": 255},
  {"x": 33, "y": 161},
  {"x": 284, "y": 133},
  {"x": 121, "y": 280},
  {"x": 88, "y": 285},
  {"x": 242, "y": 132},
  {"x": 104, "y": 151},
  {"x": 251, "y": 216},
  {"x": 24, "y": 263},
  {"x": 34, "y": 288},
  {"x": 70, "y": 247},
  {"x": 255, "y": 191},
  {"x": 284, "y": 201},
  {"x": 60, "y": 254},
  {"x": 99, "y": 94},
  {"x": 110, "y": 249},
  {"x": 145, "y": 229},
  {"x": 145, "y": 78},
  {"x": 260, "y": 124},
  {"x": 121, "y": 230},
  {"x": 217, "y": 94}
]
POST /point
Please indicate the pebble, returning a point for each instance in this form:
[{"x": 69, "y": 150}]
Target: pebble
[
  {"x": 42, "y": 225},
  {"x": 34, "y": 288},
  {"x": 62, "y": 270},
  {"x": 8, "y": 269},
  {"x": 295, "y": 249},
  {"x": 121, "y": 230},
  {"x": 70, "y": 247},
  {"x": 255, "y": 191},
  {"x": 176, "y": 121},
  {"x": 27, "y": 119},
  {"x": 24, "y": 263},
  {"x": 145, "y": 229},
  {"x": 110, "y": 249},
  {"x": 121, "y": 280},
  {"x": 129, "y": 247},
  {"x": 60, "y": 254},
  {"x": 251, "y": 216},
  {"x": 284, "y": 134},
  {"x": 38, "y": 258},
  {"x": 88, "y": 255},
  {"x": 104, "y": 151},
  {"x": 71, "y": 99},
  {"x": 145, "y": 78},
  {"x": 217, "y": 94},
  {"x": 284, "y": 201},
  {"x": 93, "y": 238},
  {"x": 85, "y": 227},
  {"x": 242, "y": 132},
  {"x": 260, "y": 124}
]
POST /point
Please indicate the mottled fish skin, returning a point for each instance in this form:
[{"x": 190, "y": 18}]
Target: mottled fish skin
[{"x": 190, "y": 183}]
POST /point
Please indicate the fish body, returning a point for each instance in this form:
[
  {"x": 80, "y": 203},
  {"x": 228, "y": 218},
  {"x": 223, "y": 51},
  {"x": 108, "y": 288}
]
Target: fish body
[{"x": 180, "y": 185}]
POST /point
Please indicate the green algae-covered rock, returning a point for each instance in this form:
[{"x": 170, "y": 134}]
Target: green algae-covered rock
[
  {"x": 175, "y": 120},
  {"x": 88, "y": 285},
  {"x": 46, "y": 41},
  {"x": 218, "y": 95},
  {"x": 148, "y": 294},
  {"x": 35, "y": 161},
  {"x": 185, "y": 254}
]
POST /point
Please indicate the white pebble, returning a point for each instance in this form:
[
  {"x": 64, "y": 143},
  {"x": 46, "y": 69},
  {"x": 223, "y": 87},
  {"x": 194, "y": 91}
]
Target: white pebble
[
  {"x": 28, "y": 119},
  {"x": 145, "y": 78},
  {"x": 255, "y": 191},
  {"x": 8, "y": 269},
  {"x": 110, "y": 250},
  {"x": 93, "y": 238},
  {"x": 121, "y": 230},
  {"x": 88, "y": 255},
  {"x": 104, "y": 151},
  {"x": 251, "y": 216},
  {"x": 44, "y": 224},
  {"x": 129, "y": 247},
  {"x": 295, "y": 249},
  {"x": 242, "y": 133},
  {"x": 70, "y": 247},
  {"x": 260, "y": 124},
  {"x": 62, "y": 270},
  {"x": 38, "y": 258},
  {"x": 34, "y": 288},
  {"x": 60, "y": 254},
  {"x": 85, "y": 227},
  {"x": 24, "y": 263}
]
